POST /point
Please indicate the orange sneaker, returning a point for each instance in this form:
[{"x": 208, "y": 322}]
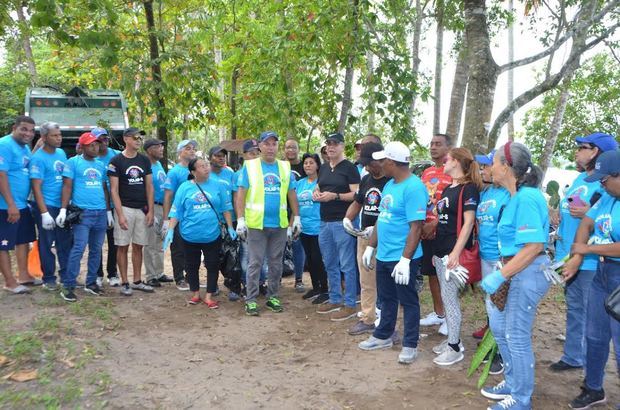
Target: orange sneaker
[{"x": 212, "y": 304}]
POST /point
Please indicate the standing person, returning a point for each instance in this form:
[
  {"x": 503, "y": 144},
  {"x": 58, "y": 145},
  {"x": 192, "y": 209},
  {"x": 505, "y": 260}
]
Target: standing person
[
  {"x": 573, "y": 207},
  {"x": 217, "y": 158},
  {"x": 16, "y": 222},
  {"x": 84, "y": 184},
  {"x": 264, "y": 187},
  {"x": 186, "y": 151},
  {"x": 523, "y": 231},
  {"x": 600, "y": 227},
  {"x": 435, "y": 180},
  {"x": 291, "y": 154},
  {"x": 46, "y": 169},
  {"x": 197, "y": 206},
  {"x": 464, "y": 195},
  {"x": 366, "y": 200},
  {"x": 105, "y": 155},
  {"x": 396, "y": 238},
  {"x": 338, "y": 181},
  {"x": 153, "y": 252},
  {"x": 131, "y": 184},
  {"x": 310, "y": 214}
]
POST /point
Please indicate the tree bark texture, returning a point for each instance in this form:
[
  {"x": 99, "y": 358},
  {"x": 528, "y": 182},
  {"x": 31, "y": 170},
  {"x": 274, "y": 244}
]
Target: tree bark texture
[
  {"x": 457, "y": 97},
  {"x": 371, "y": 109},
  {"x": 556, "y": 126},
  {"x": 415, "y": 62},
  {"x": 347, "y": 101},
  {"x": 25, "y": 37},
  {"x": 511, "y": 73},
  {"x": 438, "y": 67},
  {"x": 221, "y": 130}
]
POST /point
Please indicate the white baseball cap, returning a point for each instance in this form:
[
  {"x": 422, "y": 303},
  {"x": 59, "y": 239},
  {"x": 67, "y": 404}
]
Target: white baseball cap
[{"x": 395, "y": 150}]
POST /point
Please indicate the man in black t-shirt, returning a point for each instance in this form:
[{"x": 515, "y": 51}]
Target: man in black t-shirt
[
  {"x": 337, "y": 183},
  {"x": 131, "y": 186},
  {"x": 291, "y": 154},
  {"x": 367, "y": 200}
]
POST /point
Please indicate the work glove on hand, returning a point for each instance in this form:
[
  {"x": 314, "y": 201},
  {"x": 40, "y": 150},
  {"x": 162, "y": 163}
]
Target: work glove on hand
[
  {"x": 61, "y": 218},
  {"x": 366, "y": 232},
  {"x": 492, "y": 282},
  {"x": 242, "y": 229},
  {"x": 296, "y": 227},
  {"x": 367, "y": 256},
  {"x": 168, "y": 239},
  {"x": 232, "y": 233},
  {"x": 348, "y": 226},
  {"x": 47, "y": 221},
  {"x": 401, "y": 271},
  {"x": 164, "y": 228},
  {"x": 110, "y": 219}
]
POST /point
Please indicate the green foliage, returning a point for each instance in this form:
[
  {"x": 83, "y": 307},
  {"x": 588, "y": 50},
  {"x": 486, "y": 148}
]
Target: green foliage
[{"x": 486, "y": 349}]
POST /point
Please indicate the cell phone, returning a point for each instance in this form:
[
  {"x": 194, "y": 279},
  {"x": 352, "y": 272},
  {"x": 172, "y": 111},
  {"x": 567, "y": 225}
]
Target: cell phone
[{"x": 575, "y": 200}]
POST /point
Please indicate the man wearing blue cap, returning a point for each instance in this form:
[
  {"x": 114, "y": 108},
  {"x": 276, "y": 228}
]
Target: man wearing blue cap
[{"x": 186, "y": 151}]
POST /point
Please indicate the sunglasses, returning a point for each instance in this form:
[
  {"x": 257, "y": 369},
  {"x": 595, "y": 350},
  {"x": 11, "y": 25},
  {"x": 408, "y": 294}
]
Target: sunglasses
[
  {"x": 614, "y": 175},
  {"x": 137, "y": 137},
  {"x": 580, "y": 147}
]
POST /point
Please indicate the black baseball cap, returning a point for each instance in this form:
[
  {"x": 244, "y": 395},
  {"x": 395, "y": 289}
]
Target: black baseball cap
[
  {"x": 249, "y": 145},
  {"x": 151, "y": 143},
  {"x": 216, "y": 150},
  {"x": 336, "y": 136},
  {"x": 132, "y": 131},
  {"x": 367, "y": 150}
]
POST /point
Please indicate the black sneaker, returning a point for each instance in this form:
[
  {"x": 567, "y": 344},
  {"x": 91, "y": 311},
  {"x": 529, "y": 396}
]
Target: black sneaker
[
  {"x": 165, "y": 279},
  {"x": 497, "y": 365},
  {"x": 68, "y": 295},
  {"x": 322, "y": 298},
  {"x": 561, "y": 366},
  {"x": 299, "y": 286},
  {"x": 588, "y": 398},
  {"x": 311, "y": 294},
  {"x": 155, "y": 283},
  {"x": 93, "y": 289}
]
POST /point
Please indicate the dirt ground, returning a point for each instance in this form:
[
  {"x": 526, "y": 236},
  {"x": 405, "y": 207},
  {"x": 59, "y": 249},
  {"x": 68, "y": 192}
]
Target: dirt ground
[{"x": 156, "y": 351}]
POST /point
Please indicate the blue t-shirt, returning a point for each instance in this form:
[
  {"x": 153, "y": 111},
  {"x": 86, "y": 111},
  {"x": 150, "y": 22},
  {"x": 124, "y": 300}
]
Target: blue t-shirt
[
  {"x": 271, "y": 177},
  {"x": 525, "y": 220},
  {"x": 176, "y": 176},
  {"x": 226, "y": 176},
  {"x": 235, "y": 181},
  {"x": 401, "y": 203},
  {"x": 14, "y": 160},
  {"x": 159, "y": 178},
  {"x": 492, "y": 201},
  {"x": 48, "y": 168},
  {"x": 88, "y": 179},
  {"x": 199, "y": 222},
  {"x": 606, "y": 215},
  {"x": 108, "y": 156},
  {"x": 309, "y": 211},
  {"x": 568, "y": 224}
]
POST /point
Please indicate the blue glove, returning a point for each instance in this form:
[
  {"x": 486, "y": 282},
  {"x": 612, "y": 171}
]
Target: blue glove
[
  {"x": 232, "y": 233},
  {"x": 492, "y": 282},
  {"x": 168, "y": 239}
]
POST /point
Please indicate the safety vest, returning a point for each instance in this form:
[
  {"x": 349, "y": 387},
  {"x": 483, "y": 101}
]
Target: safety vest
[{"x": 255, "y": 197}]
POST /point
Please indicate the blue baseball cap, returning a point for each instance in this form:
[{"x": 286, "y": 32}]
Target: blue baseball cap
[
  {"x": 602, "y": 141},
  {"x": 99, "y": 132},
  {"x": 268, "y": 134},
  {"x": 249, "y": 145},
  {"x": 606, "y": 164},
  {"x": 485, "y": 159},
  {"x": 185, "y": 143}
]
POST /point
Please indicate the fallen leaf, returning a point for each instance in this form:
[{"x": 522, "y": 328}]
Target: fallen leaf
[
  {"x": 68, "y": 363},
  {"x": 3, "y": 360},
  {"x": 24, "y": 375}
]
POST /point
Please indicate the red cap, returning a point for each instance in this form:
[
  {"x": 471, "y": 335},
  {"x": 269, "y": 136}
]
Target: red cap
[{"x": 86, "y": 139}]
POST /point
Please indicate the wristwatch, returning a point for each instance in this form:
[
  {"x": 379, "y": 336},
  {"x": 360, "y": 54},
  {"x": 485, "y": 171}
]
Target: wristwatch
[{"x": 337, "y": 197}]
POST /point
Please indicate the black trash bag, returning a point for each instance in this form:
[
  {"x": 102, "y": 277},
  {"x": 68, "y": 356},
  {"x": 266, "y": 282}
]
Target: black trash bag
[
  {"x": 289, "y": 265},
  {"x": 230, "y": 263}
]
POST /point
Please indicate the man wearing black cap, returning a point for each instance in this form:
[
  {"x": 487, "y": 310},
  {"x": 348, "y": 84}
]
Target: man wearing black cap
[
  {"x": 131, "y": 185},
  {"x": 217, "y": 157},
  {"x": 153, "y": 253},
  {"x": 337, "y": 183}
]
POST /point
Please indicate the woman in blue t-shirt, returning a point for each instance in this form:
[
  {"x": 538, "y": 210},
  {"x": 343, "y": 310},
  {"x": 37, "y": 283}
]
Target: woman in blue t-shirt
[
  {"x": 523, "y": 231},
  {"x": 573, "y": 207},
  {"x": 599, "y": 234},
  {"x": 309, "y": 211},
  {"x": 196, "y": 206}
]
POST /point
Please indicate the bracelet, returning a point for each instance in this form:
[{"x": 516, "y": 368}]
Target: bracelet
[{"x": 337, "y": 197}]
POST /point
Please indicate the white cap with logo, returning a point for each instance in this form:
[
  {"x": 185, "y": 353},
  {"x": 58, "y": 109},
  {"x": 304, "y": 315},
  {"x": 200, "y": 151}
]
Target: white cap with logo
[{"x": 395, "y": 150}]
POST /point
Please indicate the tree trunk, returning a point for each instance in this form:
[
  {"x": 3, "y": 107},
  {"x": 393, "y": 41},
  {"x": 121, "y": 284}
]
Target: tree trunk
[
  {"x": 347, "y": 101},
  {"x": 483, "y": 73},
  {"x": 438, "y": 68},
  {"x": 371, "y": 109},
  {"x": 221, "y": 130},
  {"x": 555, "y": 127},
  {"x": 233, "y": 103},
  {"x": 415, "y": 61},
  {"x": 457, "y": 97},
  {"x": 160, "y": 106},
  {"x": 511, "y": 73},
  {"x": 25, "y": 37}
]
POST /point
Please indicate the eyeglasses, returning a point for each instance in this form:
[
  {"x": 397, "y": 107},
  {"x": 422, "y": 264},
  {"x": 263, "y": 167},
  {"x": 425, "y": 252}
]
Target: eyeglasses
[
  {"x": 606, "y": 177},
  {"x": 580, "y": 147},
  {"x": 137, "y": 137}
]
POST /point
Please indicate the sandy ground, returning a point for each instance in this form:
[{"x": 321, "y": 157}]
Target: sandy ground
[{"x": 160, "y": 352}]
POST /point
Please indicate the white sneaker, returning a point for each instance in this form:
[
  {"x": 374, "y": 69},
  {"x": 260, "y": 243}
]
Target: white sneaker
[
  {"x": 432, "y": 319},
  {"x": 443, "y": 329},
  {"x": 99, "y": 282},
  {"x": 114, "y": 281},
  {"x": 407, "y": 355},
  {"x": 438, "y": 349},
  {"x": 449, "y": 357},
  {"x": 372, "y": 343}
]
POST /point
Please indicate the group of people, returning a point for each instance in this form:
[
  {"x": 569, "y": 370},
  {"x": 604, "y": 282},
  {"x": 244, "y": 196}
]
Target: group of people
[{"x": 366, "y": 231}]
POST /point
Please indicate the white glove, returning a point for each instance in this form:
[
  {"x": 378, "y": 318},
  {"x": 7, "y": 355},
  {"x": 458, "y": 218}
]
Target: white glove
[
  {"x": 164, "y": 228},
  {"x": 296, "y": 227},
  {"x": 366, "y": 232},
  {"x": 551, "y": 274},
  {"x": 289, "y": 234},
  {"x": 110, "y": 219},
  {"x": 369, "y": 253},
  {"x": 401, "y": 271},
  {"x": 242, "y": 229},
  {"x": 348, "y": 226},
  {"x": 47, "y": 221},
  {"x": 61, "y": 218},
  {"x": 460, "y": 274}
]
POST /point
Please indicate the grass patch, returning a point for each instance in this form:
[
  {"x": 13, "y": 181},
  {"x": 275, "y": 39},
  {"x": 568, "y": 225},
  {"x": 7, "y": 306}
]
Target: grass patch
[{"x": 99, "y": 309}]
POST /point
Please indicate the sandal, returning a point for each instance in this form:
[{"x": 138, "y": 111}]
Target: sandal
[
  {"x": 194, "y": 300},
  {"x": 34, "y": 282},
  {"x": 212, "y": 304},
  {"x": 18, "y": 290}
]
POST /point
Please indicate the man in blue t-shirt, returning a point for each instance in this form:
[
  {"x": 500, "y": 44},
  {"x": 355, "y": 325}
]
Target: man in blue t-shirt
[
  {"x": 217, "y": 157},
  {"x": 16, "y": 222},
  {"x": 396, "y": 236},
  {"x": 46, "y": 169},
  {"x": 186, "y": 151},
  {"x": 105, "y": 155},
  {"x": 84, "y": 184}
]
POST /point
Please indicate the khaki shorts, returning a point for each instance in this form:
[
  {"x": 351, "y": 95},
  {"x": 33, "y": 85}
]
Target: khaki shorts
[{"x": 136, "y": 231}]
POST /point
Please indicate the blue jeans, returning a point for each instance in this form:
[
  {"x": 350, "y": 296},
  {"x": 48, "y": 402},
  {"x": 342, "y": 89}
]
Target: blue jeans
[
  {"x": 90, "y": 231},
  {"x": 338, "y": 256},
  {"x": 601, "y": 327},
  {"x": 512, "y": 329},
  {"x": 62, "y": 239},
  {"x": 299, "y": 258},
  {"x": 391, "y": 295},
  {"x": 576, "y": 293}
]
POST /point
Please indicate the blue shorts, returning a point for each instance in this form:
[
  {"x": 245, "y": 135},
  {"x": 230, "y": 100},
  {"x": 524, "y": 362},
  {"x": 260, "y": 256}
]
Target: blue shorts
[{"x": 18, "y": 233}]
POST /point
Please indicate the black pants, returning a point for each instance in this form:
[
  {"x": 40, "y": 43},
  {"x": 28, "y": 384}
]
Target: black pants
[
  {"x": 177, "y": 253},
  {"x": 111, "y": 262},
  {"x": 193, "y": 253},
  {"x": 318, "y": 275}
]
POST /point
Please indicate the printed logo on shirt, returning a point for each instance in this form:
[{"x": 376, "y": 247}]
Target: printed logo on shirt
[
  {"x": 385, "y": 207},
  {"x": 134, "y": 174},
  {"x": 111, "y": 167},
  {"x": 25, "y": 162},
  {"x": 470, "y": 201},
  {"x": 443, "y": 203},
  {"x": 372, "y": 201},
  {"x": 35, "y": 169},
  {"x": 483, "y": 208},
  {"x": 200, "y": 201},
  {"x": 59, "y": 166},
  {"x": 93, "y": 177},
  {"x": 305, "y": 198},
  {"x": 526, "y": 229},
  {"x": 603, "y": 225},
  {"x": 161, "y": 177},
  {"x": 272, "y": 183}
]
